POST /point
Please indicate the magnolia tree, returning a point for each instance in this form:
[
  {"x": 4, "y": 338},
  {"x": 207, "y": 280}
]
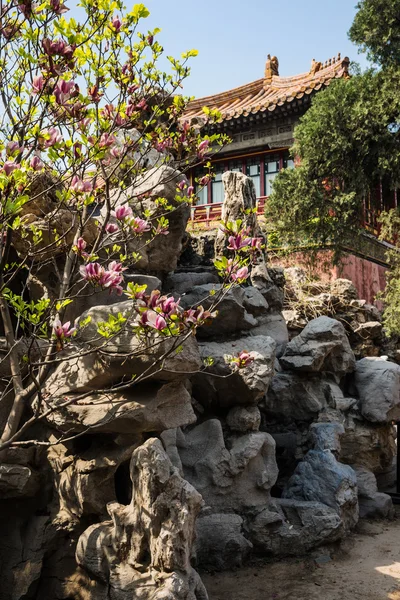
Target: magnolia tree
[{"x": 85, "y": 113}]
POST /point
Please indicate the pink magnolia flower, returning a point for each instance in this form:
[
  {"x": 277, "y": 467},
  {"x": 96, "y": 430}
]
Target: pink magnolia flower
[
  {"x": 140, "y": 225},
  {"x": 84, "y": 123},
  {"x": 106, "y": 140},
  {"x": 111, "y": 228},
  {"x": 12, "y": 148},
  {"x": 10, "y": 166},
  {"x": 81, "y": 245},
  {"x": 182, "y": 185},
  {"x": 169, "y": 306},
  {"x": 243, "y": 359},
  {"x": 197, "y": 316},
  {"x": 237, "y": 242},
  {"x": 202, "y": 148},
  {"x": 122, "y": 212},
  {"x": 116, "y": 24},
  {"x": 256, "y": 244},
  {"x": 58, "y": 7},
  {"x": 190, "y": 191},
  {"x": 108, "y": 279},
  {"x": 240, "y": 275},
  {"x": 62, "y": 91},
  {"x": 53, "y": 136},
  {"x": 108, "y": 111},
  {"x": 205, "y": 180},
  {"x": 36, "y": 164},
  {"x": 62, "y": 331},
  {"x": 154, "y": 320},
  {"x": 81, "y": 186}
]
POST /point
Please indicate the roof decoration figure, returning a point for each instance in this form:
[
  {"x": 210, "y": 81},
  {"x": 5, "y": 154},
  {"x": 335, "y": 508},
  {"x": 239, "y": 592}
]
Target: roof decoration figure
[{"x": 271, "y": 68}]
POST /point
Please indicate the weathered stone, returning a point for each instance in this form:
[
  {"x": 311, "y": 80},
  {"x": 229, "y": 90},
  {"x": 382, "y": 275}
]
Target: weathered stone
[
  {"x": 273, "y": 325},
  {"x": 261, "y": 280},
  {"x": 229, "y": 480},
  {"x": 344, "y": 289},
  {"x": 326, "y": 436},
  {"x": 319, "y": 477},
  {"x": 17, "y": 481},
  {"x": 60, "y": 225},
  {"x": 158, "y": 255},
  {"x": 244, "y": 418},
  {"x": 293, "y": 527},
  {"x": 370, "y": 329},
  {"x": 147, "y": 407},
  {"x": 367, "y": 445},
  {"x": 321, "y": 346},
  {"x": 373, "y": 504},
  {"x": 144, "y": 551},
  {"x": 232, "y": 316},
  {"x": 181, "y": 283},
  {"x": 239, "y": 203},
  {"x": 84, "y": 483},
  {"x": 378, "y": 385},
  {"x": 293, "y": 397},
  {"x": 220, "y": 543},
  {"x": 221, "y": 385},
  {"x": 254, "y": 302}
]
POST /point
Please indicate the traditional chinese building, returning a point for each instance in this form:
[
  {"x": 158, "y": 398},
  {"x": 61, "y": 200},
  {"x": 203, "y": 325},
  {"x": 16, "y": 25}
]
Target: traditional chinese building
[{"x": 260, "y": 118}]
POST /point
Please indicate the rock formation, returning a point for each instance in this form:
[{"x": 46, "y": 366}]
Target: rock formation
[{"x": 200, "y": 464}]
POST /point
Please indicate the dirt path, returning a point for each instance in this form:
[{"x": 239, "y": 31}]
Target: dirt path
[{"x": 366, "y": 567}]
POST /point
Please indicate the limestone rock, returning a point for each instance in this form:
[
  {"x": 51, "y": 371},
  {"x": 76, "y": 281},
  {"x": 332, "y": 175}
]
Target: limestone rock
[
  {"x": 344, "y": 290},
  {"x": 292, "y": 396},
  {"x": 221, "y": 386},
  {"x": 273, "y": 325},
  {"x": 160, "y": 255},
  {"x": 261, "y": 280},
  {"x": 319, "y": 477},
  {"x": 229, "y": 480},
  {"x": 373, "y": 504},
  {"x": 326, "y": 436},
  {"x": 17, "y": 481},
  {"x": 147, "y": 407},
  {"x": 182, "y": 283},
  {"x": 239, "y": 202},
  {"x": 220, "y": 543},
  {"x": 244, "y": 418},
  {"x": 293, "y": 527},
  {"x": 144, "y": 551},
  {"x": 232, "y": 316},
  {"x": 378, "y": 385},
  {"x": 367, "y": 445},
  {"x": 321, "y": 346}
]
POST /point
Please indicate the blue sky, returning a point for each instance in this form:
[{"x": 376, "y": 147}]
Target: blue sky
[{"x": 233, "y": 37}]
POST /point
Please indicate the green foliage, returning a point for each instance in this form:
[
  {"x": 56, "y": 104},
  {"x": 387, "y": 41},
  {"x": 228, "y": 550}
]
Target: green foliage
[
  {"x": 376, "y": 29},
  {"x": 346, "y": 142},
  {"x": 112, "y": 326}
]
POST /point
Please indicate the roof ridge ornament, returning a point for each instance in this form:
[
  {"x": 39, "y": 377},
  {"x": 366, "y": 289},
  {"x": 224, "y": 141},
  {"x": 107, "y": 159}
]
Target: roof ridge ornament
[{"x": 271, "y": 69}]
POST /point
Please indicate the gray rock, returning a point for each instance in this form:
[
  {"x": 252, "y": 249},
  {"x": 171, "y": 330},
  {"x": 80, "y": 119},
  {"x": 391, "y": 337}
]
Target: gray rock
[
  {"x": 220, "y": 543},
  {"x": 17, "y": 481},
  {"x": 262, "y": 281},
  {"x": 326, "y": 436},
  {"x": 254, "y": 302},
  {"x": 367, "y": 445},
  {"x": 378, "y": 385},
  {"x": 293, "y": 397},
  {"x": 344, "y": 289},
  {"x": 147, "y": 407},
  {"x": 160, "y": 255},
  {"x": 182, "y": 283},
  {"x": 239, "y": 203},
  {"x": 369, "y": 330},
  {"x": 244, "y": 418},
  {"x": 232, "y": 316},
  {"x": 221, "y": 385},
  {"x": 321, "y": 346},
  {"x": 319, "y": 477},
  {"x": 144, "y": 551},
  {"x": 293, "y": 527},
  {"x": 229, "y": 480},
  {"x": 373, "y": 504},
  {"x": 273, "y": 325}
]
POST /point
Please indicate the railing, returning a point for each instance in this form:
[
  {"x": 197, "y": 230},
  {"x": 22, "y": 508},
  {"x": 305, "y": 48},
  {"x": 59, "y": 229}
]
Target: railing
[{"x": 208, "y": 214}]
